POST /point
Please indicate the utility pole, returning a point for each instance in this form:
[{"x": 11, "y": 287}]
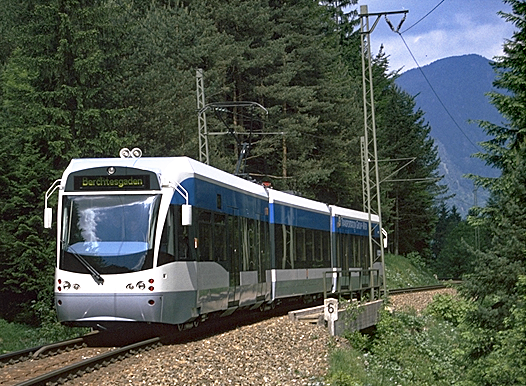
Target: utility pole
[
  {"x": 371, "y": 186},
  {"x": 201, "y": 118}
]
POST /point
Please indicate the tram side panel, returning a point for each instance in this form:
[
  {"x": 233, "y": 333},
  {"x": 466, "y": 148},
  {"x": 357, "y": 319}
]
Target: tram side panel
[
  {"x": 301, "y": 247},
  {"x": 350, "y": 230},
  {"x": 230, "y": 239}
]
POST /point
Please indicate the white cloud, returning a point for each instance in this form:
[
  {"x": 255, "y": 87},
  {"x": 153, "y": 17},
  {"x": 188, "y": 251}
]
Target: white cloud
[{"x": 453, "y": 29}]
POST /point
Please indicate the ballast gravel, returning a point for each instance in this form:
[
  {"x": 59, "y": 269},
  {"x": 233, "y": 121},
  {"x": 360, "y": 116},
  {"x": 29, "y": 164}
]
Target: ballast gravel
[{"x": 272, "y": 352}]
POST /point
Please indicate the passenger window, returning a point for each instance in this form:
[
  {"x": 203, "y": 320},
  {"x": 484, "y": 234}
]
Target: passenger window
[
  {"x": 220, "y": 242},
  {"x": 206, "y": 252}
]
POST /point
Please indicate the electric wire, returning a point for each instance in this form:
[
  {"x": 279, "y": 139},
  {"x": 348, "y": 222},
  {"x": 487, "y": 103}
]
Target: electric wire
[
  {"x": 425, "y": 77},
  {"x": 423, "y": 17},
  {"x": 436, "y": 94}
]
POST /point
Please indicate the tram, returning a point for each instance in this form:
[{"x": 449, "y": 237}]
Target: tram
[{"x": 172, "y": 240}]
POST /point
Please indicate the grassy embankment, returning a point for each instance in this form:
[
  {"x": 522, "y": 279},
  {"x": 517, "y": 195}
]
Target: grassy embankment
[
  {"x": 404, "y": 272},
  {"x": 17, "y": 336}
]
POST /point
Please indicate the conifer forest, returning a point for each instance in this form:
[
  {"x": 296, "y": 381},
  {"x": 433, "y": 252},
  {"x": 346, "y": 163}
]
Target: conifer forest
[{"x": 85, "y": 78}]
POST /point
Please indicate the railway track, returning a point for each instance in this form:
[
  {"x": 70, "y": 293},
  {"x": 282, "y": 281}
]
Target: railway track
[
  {"x": 60, "y": 362},
  {"x": 57, "y": 363},
  {"x": 423, "y": 288},
  {"x": 415, "y": 289}
]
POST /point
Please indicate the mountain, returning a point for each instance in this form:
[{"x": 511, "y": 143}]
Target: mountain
[{"x": 461, "y": 83}]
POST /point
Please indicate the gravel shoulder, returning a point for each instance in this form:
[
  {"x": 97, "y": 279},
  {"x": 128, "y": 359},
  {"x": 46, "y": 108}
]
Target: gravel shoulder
[
  {"x": 416, "y": 300},
  {"x": 272, "y": 352}
]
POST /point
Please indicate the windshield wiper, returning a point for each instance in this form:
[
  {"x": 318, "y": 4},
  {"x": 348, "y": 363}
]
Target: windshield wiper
[{"x": 93, "y": 272}]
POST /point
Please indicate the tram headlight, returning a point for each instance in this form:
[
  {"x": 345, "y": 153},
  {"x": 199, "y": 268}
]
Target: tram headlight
[
  {"x": 141, "y": 285},
  {"x": 67, "y": 285}
]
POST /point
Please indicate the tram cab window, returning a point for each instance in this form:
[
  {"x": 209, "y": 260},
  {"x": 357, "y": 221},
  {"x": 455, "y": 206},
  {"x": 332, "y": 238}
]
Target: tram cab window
[
  {"x": 174, "y": 241},
  {"x": 167, "y": 250}
]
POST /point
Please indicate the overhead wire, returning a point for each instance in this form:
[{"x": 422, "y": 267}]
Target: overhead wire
[
  {"x": 423, "y": 17},
  {"x": 426, "y": 78},
  {"x": 437, "y": 96}
]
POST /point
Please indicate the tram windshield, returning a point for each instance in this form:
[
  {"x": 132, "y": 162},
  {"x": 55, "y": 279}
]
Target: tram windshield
[{"x": 108, "y": 234}]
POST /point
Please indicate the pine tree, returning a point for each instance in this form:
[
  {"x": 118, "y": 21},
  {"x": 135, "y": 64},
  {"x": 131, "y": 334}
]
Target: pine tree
[
  {"x": 54, "y": 107},
  {"x": 284, "y": 56},
  {"x": 493, "y": 283},
  {"x": 506, "y": 212},
  {"x": 162, "y": 43},
  {"x": 413, "y": 188}
]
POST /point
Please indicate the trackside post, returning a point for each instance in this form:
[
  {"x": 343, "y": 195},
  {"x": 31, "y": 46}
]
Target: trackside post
[{"x": 331, "y": 313}]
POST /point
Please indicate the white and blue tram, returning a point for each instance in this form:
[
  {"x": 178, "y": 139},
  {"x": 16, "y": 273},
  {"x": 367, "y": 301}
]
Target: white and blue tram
[{"x": 171, "y": 240}]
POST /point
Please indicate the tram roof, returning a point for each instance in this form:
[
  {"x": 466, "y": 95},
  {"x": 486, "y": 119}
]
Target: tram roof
[
  {"x": 169, "y": 169},
  {"x": 352, "y": 214},
  {"x": 178, "y": 169}
]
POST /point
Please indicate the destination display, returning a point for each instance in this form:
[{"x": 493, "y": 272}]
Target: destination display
[
  {"x": 355, "y": 227},
  {"x": 134, "y": 182}
]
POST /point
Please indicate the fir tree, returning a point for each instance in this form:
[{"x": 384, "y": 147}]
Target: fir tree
[
  {"x": 54, "y": 107},
  {"x": 493, "y": 283}
]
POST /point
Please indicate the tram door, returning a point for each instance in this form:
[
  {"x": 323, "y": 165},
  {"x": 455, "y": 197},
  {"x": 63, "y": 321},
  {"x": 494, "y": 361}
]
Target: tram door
[
  {"x": 233, "y": 246},
  {"x": 249, "y": 253}
]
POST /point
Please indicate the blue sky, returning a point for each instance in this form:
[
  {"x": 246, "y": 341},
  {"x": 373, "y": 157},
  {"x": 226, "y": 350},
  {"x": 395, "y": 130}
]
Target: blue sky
[{"x": 456, "y": 27}]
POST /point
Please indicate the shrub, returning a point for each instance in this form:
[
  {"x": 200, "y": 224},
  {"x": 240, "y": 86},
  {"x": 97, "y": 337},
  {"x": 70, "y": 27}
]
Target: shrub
[{"x": 449, "y": 307}]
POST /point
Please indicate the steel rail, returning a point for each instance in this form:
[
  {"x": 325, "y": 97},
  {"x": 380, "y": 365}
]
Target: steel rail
[
  {"x": 38, "y": 351},
  {"x": 17, "y": 356},
  {"x": 421, "y": 288},
  {"x": 87, "y": 365}
]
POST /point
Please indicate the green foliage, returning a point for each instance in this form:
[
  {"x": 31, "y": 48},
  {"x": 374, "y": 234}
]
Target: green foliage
[
  {"x": 17, "y": 336},
  {"x": 415, "y": 259},
  {"x": 447, "y": 221},
  {"x": 346, "y": 368},
  {"x": 456, "y": 242},
  {"x": 497, "y": 357},
  {"x": 401, "y": 272},
  {"x": 494, "y": 340},
  {"x": 451, "y": 308},
  {"x": 407, "y": 349}
]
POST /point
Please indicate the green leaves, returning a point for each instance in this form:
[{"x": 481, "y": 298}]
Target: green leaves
[
  {"x": 85, "y": 78},
  {"x": 496, "y": 283}
]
